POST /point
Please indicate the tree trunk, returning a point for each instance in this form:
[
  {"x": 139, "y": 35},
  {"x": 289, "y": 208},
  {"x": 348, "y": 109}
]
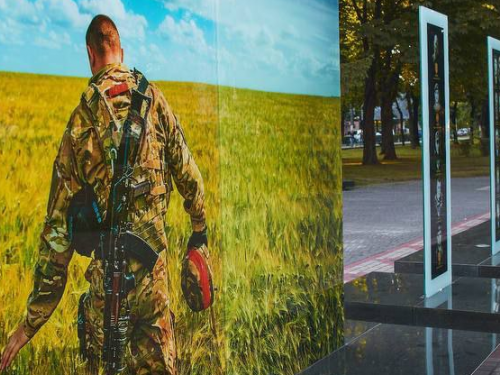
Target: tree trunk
[
  {"x": 472, "y": 120},
  {"x": 413, "y": 108},
  {"x": 401, "y": 122},
  {"x": 369, "y": 146},
  {"x": 453, "y": 116},
  {"x": 370, "y": 92},
  {"x": 388, "y": 129},
  {"x": 388, "y": 90},
  {"x": 485, "y": 128}
]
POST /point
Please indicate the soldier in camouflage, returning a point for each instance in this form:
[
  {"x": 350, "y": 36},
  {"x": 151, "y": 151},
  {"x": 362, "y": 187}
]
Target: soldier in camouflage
[{"x": 84, "y": 158}]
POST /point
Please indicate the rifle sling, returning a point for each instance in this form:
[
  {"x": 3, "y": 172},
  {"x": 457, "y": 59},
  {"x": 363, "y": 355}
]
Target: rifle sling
[{"x": 138, "y": 96}]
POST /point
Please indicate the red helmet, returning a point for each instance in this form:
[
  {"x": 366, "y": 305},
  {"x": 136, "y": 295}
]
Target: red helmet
[{"x": 196, "y": 279}]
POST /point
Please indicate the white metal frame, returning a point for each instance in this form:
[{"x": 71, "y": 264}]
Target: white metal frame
[
  {"x": 428, "y": 16},
  {"x": 493, "y": 44},
  {"x": 446, "y": 296}
]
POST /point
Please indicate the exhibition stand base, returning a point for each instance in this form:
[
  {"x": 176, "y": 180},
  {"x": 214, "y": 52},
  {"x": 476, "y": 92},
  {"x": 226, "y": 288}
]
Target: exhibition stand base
[
  {"x": 470, "y": 303},
  {"x": 392, "y": 328},
  {"x": 406, "y": 350},
  {"x": 471, "y": 255}
]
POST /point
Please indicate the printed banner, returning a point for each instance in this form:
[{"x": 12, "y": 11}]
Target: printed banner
[
  {"x": 436, "y": 150},
  {"x": 242, "y": 139}
]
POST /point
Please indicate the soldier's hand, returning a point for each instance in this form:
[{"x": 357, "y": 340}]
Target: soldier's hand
[
  {"x": 15, "y": 343},
  {"x": 198, "y": 239}
]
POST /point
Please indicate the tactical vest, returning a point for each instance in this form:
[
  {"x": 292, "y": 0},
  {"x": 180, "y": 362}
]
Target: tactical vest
[{"x": 152, "y": 185}]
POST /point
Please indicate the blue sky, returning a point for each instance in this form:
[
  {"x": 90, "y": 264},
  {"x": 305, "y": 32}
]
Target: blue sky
[{"x": 271, "y": 45}]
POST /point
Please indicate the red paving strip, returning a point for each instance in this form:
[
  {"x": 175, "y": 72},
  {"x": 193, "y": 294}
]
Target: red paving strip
[
  {"x": 491, "y": 366},
  {"x": 384, "y": 262}
]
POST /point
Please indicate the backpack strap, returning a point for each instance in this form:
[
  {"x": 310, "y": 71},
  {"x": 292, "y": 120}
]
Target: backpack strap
[
  {"x": 126, "y": 154},
  {"x": 93, "y": 94},
  {"x": 134, "y": 116}
]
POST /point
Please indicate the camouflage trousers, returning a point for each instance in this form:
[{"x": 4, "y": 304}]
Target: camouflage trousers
[{"x": 151, "y": 346}]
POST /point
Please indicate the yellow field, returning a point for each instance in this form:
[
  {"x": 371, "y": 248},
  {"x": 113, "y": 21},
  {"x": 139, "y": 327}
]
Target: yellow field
[{"x": 271, "y": 165}]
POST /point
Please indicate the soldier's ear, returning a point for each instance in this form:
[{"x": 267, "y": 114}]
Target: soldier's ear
[{"x": 91, "y": 55}]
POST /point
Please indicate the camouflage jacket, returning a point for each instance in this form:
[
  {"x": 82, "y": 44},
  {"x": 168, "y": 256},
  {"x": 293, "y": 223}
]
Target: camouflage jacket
[{"x": 84, "y": 158}]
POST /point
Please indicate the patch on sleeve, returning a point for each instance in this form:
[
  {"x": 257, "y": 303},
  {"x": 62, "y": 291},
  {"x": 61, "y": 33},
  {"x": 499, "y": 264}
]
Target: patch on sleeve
[{"x": 117, "y": 90}]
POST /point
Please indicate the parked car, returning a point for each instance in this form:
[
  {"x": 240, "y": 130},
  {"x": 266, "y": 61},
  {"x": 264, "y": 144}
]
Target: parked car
[
  {"x": 463, "y": 132},
  {"x": 378, "y": 138}
]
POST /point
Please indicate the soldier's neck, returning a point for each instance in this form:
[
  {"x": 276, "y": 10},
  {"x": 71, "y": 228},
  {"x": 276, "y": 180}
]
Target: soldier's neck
[{"x": 101, "y": 71}]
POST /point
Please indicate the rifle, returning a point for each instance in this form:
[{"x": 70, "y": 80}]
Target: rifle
[{"x": 118, "y": 239}]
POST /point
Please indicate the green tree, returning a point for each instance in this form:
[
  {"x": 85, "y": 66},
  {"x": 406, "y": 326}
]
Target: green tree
[
  {"x": 379, "y": 51},
  {"x": 361, "y": 58}
]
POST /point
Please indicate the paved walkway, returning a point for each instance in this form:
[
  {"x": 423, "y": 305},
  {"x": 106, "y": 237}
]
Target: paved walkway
[
  {"x": 384, "y": 223},
  {"x": 384, "y": 261},
  {"x": 384, "y": 217}
]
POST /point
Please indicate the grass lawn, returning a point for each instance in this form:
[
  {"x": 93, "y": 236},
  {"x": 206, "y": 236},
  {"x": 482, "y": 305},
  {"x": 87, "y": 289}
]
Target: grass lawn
[{"x": 409, "y": 165}]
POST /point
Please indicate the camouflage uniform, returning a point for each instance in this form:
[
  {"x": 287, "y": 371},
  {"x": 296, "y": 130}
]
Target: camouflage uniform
[{"x": 84, "y": 158}]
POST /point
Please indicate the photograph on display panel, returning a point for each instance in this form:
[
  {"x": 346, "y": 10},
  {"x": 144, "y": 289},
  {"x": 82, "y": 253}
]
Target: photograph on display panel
[
  {"x": 496, "y": 140},
  {"x": 233, "y": 191},
  {"x": 438, "y": 167}
]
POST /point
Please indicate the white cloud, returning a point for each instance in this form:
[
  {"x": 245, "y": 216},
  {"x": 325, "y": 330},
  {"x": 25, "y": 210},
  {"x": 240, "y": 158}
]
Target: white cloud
[
  {"x": 202, "y": 8},
  {"x": 15, "y": 19},
  {"x": 60, "y": 12},
  {"x": 21, "y": 10},
  {"x": 290, "y": 37},
  {"x": 10, "y": 32},
  {"x": 288, "y": 40},
  {"x": 130, "y": 25},
  {"x": 17, "y": 8},
  {"x": 152, "y": 56},
  {"x": 185, "y": 32},
  {"x": 53, "y": 40},
  {"x": 52, "y": 24},
  {"x": 40, "y": 22},
  {"x": 63, "y": 12}
]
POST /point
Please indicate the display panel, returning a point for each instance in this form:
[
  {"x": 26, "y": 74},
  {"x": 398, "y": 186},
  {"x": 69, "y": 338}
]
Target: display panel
[
  {"x": 436, "y": 150},
  {"x": 255, "y": 90},
  {"x": 496, "y": 109},
  {"x": 494, "y": 103},
  {"x": 438, "y": 168},
  {"x": 496, "y": 119}
]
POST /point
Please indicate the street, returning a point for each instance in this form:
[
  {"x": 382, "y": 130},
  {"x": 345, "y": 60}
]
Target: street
[{"x": 381, "y": 217}]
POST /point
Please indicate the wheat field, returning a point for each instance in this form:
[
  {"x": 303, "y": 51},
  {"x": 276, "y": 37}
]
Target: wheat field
[{"x": 272, "y": 170}]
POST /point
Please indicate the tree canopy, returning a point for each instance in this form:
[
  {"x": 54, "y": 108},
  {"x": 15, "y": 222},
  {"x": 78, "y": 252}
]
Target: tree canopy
[{"x": 380, "y": 58}]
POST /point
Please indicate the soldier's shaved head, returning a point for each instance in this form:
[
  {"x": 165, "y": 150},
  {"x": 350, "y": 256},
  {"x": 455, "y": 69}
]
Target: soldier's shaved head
[
  {"x": 102, "y": 35},
  {"x": 103, "y": 43}
]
